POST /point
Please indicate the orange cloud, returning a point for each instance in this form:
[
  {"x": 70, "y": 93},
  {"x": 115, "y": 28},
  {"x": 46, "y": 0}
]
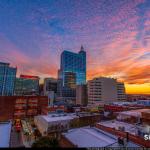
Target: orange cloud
[{"x": 138, "y": 88}]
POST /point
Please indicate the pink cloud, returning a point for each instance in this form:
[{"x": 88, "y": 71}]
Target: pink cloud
[{"x": 26, "y": 65}]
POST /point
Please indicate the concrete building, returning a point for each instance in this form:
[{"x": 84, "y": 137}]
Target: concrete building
[
  {"x": 106, "y": 90},
  {"x": 7, "y": 79},
  {"x": 27, "y": 85},
  {"x": 81, "y": 95},
  {"x": 121, "y": 91}
]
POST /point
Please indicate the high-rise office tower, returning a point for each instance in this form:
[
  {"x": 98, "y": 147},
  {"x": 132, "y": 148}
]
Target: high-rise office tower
[
  {"x": 74, "y": 62},
  {"x": 7, "y": 79},
  {"x": 72, "y": 72},
  {"x": 27, "y": 85}
]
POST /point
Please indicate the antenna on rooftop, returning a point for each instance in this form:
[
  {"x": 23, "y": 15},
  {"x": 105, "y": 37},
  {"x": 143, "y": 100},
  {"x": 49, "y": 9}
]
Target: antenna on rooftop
[{"x": 82, "y": 48}]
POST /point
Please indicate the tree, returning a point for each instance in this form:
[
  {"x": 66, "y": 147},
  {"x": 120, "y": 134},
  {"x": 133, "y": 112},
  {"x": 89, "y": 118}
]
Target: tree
[
  {"x": 37, "y": 133},
  {"x": 46, "y": 142}
]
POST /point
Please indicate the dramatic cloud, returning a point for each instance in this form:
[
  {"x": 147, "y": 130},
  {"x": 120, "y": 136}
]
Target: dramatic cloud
[{"x": 115, "y": 34}]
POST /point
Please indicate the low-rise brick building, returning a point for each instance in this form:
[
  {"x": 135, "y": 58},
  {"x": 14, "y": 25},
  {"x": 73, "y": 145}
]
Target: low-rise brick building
[{"x": 12, "y": 107}]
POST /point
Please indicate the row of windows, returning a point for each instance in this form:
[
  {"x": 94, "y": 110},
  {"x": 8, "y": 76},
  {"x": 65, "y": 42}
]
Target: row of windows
[
  {"x": 7, "y": 80},
  {"x": 94, "y": 89}
]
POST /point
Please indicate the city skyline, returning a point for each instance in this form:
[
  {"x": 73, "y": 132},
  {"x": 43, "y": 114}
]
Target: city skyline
[{"x": 115, "y": 35}]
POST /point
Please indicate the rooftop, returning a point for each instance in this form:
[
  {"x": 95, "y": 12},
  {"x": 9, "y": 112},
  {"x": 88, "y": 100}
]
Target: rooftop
[
  {"x": 54, "y": 117},
  {"x": 3, "y": 63},
  {"x": 116, "y": 124},
  {"x": 93, "y": 137},
  {"x": 57, "y": 117},
  {"x": 5, "y": 130},
  {"x": 135, "y": 113},
  {"x": 124, "y": 103}
]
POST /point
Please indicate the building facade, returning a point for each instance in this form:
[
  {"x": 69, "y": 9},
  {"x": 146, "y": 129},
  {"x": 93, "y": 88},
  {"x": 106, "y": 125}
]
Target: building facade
[
  {"x": 121, "y": 91},
  {"x": 72, "y": 72},
  {"x": 105, "y": 89},
  {"x": 50, "y": 84},
  {"x": 50, "y": 90},
  {"x": 74, "y": 62},
  {"x": 69, "y": 88},
  {"x": 7, "y": 79},
  {"x": 81, "y": 95},
  {"x": 27, "y": 85},
  {"x": 13, "y": 107}
]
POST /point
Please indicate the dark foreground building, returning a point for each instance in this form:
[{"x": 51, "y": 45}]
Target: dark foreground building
[{"x": 12, "y": 107}]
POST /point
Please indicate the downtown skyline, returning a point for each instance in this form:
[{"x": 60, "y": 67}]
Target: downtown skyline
[{"x": 115, "y": 35}]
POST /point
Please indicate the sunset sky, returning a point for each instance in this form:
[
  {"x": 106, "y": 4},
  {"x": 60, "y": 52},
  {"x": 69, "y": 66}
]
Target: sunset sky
[{"x": 114, "y": 33}]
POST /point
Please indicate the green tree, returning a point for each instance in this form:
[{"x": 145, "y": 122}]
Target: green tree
[{"x": 46, "y": 142}]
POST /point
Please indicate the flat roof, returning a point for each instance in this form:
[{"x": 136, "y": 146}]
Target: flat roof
[
  {"x": 116, "y": 124},
  {"x": 54, "y": 117},
  {"x": 5, "y": 131},
  {"x": 93, "y": 137},
  {"x": 135, "y": 113},
  {"x": 123, "y": 103},
  {"x": 58, "y": 117}
]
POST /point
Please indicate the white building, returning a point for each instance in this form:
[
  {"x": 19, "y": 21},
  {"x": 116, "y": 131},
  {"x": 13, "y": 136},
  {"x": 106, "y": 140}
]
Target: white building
[
  {"x": 105, "y": 89},
  {"x": 53, "y": 122}
]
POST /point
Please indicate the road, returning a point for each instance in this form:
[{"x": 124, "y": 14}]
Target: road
[{"x": 15, "y": 139}]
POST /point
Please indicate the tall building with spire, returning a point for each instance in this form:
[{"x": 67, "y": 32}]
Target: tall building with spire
[{"x": 72, "y": 72}]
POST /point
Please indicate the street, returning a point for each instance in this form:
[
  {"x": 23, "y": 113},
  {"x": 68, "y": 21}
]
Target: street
[{"x": 15, "y": 139}]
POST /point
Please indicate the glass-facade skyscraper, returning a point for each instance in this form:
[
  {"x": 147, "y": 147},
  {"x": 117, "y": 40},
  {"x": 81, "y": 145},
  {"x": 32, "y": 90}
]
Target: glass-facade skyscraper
[
  {"x": 74, "y": 65},
  {"x": 7, "y": 79},
  {"x": 27, "y": 85}
]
